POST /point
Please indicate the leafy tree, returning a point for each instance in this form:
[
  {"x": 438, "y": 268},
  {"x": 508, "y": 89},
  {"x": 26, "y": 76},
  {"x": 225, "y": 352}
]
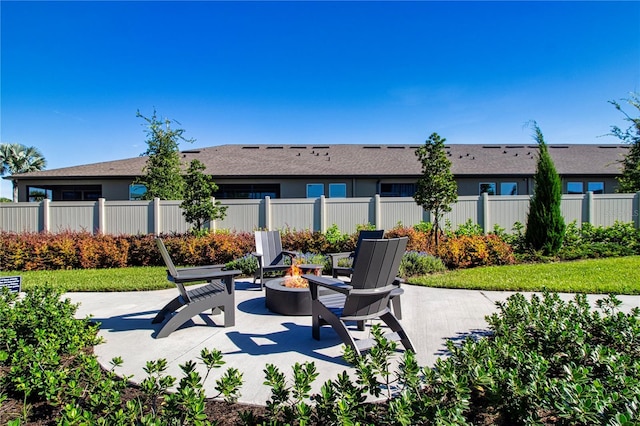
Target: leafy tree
[
  {"x": 162, "y": 173},
  {"x": 198, "y": 207},
  {"x": 16, "y": 158},
  {"x": 545, "y": 224},
  {"x": 630, "y": 179},
  {"x": 437, "y": 189}
]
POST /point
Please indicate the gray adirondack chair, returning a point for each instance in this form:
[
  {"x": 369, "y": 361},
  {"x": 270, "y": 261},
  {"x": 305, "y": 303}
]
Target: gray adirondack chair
[
  {"x": 336, "y": 269},
  {"x": 346, "y": 271},
  {"x": 365, "y": 297},
  {"x": 218, "y": 294},
  {"x": 270, "y": 256}
]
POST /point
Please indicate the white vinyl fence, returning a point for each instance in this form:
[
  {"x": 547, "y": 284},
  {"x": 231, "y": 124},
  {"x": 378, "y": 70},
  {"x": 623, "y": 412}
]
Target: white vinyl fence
[{"x": 158, "y": 217}]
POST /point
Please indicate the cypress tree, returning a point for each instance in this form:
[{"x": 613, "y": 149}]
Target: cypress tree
[{"x": 545, "y": 224}]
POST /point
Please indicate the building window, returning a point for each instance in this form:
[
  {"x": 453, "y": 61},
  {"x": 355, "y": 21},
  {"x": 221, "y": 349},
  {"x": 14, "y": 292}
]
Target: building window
[
  {"x": 488, "y": 187},
  {"x": 508, "y": 188},
  {"x": 253, "y": 191},
  {"x": 397, "y": 189},
  {"x": 337, "y": 190},
  {"x": 596, "y": 187},
  {"x": 315, "y": 190},
  {"x": 136, "y": 192},
  {"x": 38, "y": 194},
  {"x": 575, "y": 188}
]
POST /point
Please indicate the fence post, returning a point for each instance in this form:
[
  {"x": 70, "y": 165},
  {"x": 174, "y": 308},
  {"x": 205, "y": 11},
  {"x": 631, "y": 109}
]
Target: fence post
[
  {"x": 377, "y": 211},
  {"x": 212, "y": 222},
  {"x": 323, "y": 214},
  {"x": 156, "y": 216},
  {"x": 102, "y": 220},
  {"x": 590, "y": 206},
  {"x": 267, "y": 212},
  {"x": 636, "y": 210},
  {"x": 46, "y": 215},
  {"x": 485, "y": 212}
]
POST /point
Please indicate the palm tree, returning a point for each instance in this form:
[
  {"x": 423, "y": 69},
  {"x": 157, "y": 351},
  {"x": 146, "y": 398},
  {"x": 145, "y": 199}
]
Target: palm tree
[{"x": 16, "y": 158}]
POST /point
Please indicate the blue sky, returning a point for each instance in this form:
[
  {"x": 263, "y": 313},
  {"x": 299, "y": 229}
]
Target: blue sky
[{"x": 73, "y": 74}]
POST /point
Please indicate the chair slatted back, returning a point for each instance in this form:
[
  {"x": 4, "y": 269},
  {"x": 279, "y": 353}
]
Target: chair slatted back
[
  {"x": 269, "y": 245},
  {"x": 171, "y": 268},
  {"x": 377, "y": 268},
  {"x": 366, "y": 235}
]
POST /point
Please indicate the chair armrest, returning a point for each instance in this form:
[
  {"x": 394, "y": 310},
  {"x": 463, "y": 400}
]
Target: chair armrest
[
  {"x": 258, "y": 257},
  {"x": 335, "y": 257},
  {"x": 204, "y": 274},
  {"x": 206, "y": 267},
  {"x": 374, "y": 291},
  {"x": 291, "y": 254},
  {"x": 330, "y": 283}
]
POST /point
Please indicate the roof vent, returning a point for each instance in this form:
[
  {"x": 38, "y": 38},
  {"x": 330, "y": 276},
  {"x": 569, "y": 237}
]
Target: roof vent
[
  {"x": 492, "y": 146},
  {"x": 191, "y": 151},
  {"x": 515, "y": 146},
  {"x": 275, "y": 147},
  {"x": 250, "y": 147},
  {"x": 559, "y": 146},
  {"x": 608, "y": 146},
  {"x": 395, "y": 147},
  {"x": 320, "y": 147},
  {"x": 371, "y": 147},
  {"x": 297, "y": 147}
]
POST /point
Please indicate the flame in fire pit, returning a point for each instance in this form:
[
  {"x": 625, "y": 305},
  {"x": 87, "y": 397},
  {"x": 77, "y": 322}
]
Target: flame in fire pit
[{"x": 294, "y": 279}]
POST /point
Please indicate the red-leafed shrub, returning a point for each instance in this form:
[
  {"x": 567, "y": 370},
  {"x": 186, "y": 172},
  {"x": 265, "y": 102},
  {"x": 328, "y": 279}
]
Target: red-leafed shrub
[
  {"x": 224, "y": 247},
  {"x": 306, "y": 242},
  {"x": 418, "y": 240},
  {"x": 467, "y": 251},
  {"x": 143, "y": 251}
]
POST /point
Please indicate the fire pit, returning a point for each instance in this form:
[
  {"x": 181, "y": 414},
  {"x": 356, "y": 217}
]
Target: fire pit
[{"x": 290, "y": 295}]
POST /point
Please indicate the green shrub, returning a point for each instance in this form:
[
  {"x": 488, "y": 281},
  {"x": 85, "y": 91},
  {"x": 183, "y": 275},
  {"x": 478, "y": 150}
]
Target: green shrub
[
  {"x": 588, "y": 241},
  {"x": 248, "y": 264},
  {"x": 416, "y": 263},
  {"x": 469, "y": 229},
  {"x": 40, "y": 341}
]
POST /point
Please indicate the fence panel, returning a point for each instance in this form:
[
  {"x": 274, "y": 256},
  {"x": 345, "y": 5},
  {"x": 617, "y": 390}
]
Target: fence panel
[
  {"x": 467, "y": 207},
  {"x": 74, "y": 216},
  {"x": 574, "y": 208},
  {"x": 347, "y": 213},
  {"x": 128, "y": 217},
  {"x": 171, "y": 218},
  {"x": 400, "y": 210},
  {"x": 609, "y": 208},
  {"x": 506, "y": 210},
  {"x": 242, "y": 215},
  {"x": 295, "y": 213},
  {"x": 20, "y": 217}
]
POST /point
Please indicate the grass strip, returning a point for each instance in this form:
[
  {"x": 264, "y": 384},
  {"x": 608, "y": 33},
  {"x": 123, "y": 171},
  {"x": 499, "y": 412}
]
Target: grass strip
[
  {"x": 619, "y": 275},
  {"x": 116, "y": 279}
]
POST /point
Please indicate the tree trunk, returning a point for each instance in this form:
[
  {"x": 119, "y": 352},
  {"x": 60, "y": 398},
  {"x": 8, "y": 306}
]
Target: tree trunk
[{"x": 15, "y": 190}]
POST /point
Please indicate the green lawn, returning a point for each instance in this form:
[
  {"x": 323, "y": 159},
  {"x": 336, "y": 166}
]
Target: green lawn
[
  {"x": 119, "y": 279},
  {"x": 611, "y": 275}
]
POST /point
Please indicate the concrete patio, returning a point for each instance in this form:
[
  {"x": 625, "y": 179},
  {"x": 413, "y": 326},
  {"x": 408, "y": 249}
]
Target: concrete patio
[{"x": 430, "y": 317}]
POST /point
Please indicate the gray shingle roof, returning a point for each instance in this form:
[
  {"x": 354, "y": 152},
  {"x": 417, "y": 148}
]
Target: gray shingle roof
[{"x": 364, "y": 160}]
